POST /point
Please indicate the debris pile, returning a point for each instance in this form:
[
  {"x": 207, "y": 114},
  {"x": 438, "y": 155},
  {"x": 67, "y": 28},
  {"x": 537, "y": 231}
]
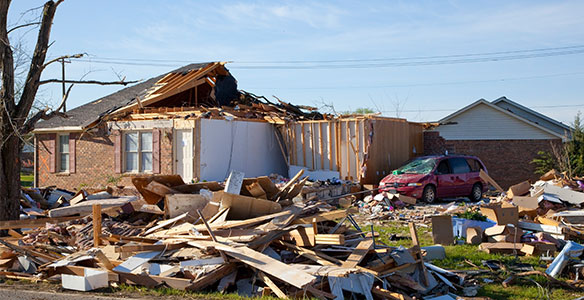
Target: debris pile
[{"x": 248, "y": 235}]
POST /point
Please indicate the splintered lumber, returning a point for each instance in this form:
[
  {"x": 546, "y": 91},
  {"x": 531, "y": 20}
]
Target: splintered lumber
[
  {"x": 329, "y": 239},
  {"x": 358, "y": 254},
  {"x": 327, "y": 216},
  {"x": 33, "y": 223},
  {"x": 484, "y": 176},
  {"x": 284, "y": 191},
  {"x": 418, "y": 253},
  {"x": 274, "y": 287},
  {"x": 263, "y": 263},
  {"x": 86, "y": 207},
  {"x": 389, "y": 294},
  {"x": 96, "y": 225},
  {"x": 157, "y": 247},
  {"x": 248, "y": 222},
  {"x": 166, "y": 223}
]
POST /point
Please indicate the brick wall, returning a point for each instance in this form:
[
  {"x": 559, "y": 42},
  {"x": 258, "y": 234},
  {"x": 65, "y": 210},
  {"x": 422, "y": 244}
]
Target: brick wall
[
  {"x": 508, "y": 161},
  {"x": 94, "y": 161}
]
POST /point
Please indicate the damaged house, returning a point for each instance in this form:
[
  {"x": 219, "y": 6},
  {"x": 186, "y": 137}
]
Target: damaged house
[{"x": 194, "y": 122}]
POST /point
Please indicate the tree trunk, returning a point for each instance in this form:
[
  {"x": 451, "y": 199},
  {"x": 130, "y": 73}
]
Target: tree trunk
[{"x": 10, "y": 178}]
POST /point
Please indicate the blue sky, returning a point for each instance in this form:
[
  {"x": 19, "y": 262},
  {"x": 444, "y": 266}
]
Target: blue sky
[{"x": 168, "y": 34}]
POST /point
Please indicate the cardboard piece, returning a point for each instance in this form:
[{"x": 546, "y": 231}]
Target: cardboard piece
[
  {"x": 501, "y": 215},
  {"x": 92, "y": 279},
  {"x": 519, "y": 189},
  {"x": 177, "y": 204},
  {"x": 503, "y": 233},
  {"x": 527, "y": 205},
  {"x": 474, "y": 235},
  {"x": 242, "y": 207},
  {"x": 501, "y": 248},
  {"x": 442, "y": 232},
  {"x": 152, "y": 198},
  {"x": 539, "y": 248}
]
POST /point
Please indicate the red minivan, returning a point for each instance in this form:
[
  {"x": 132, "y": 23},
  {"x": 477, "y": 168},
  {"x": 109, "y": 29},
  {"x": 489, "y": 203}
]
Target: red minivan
[{"x": 431, "y": 177}]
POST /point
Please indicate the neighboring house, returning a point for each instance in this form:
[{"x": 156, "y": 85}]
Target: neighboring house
[
  {"x": 505, "y": 135},
  {"x": 170, "y": 124}
]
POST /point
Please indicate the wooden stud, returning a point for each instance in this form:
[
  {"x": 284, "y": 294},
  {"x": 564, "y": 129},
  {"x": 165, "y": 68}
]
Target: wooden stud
[
  {"x": 338, "y": 146},
  {"x": 96, "y": 225},
  {"x": 418, "y": 252},
  {"x": 330, "y": 145},
  {"x": 320, "y": 146},
  {"x": 348, "y": 134},
  {"x": 274, "y": 287},
  {"x": 313, "y": 145},
  {"x": 357, "y": 151},
  {"x": 302, "y": 139}
]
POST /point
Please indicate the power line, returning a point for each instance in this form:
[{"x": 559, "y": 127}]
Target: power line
[
  {"x": 419, "y": 84},
  {"x": 362, "y": 63},
  {"x": 454, "y": 109}
]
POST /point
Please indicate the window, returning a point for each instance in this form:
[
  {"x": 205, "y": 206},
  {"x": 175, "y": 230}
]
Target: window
[
  {"x": 459, "y": 165},
  {"x": 138, "y": 151},
  {"x": 443, "y": 167},
  {"x": 475, "y": 166},
  {"x": 63, "y": 151}
]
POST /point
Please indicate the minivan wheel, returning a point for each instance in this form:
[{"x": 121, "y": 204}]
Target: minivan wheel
[
  {"x": 477, "y": 192},
  {"x": 429, "y": 194}
]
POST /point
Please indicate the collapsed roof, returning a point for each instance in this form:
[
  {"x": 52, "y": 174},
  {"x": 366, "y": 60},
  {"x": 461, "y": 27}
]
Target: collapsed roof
[{"x": 195, "y": 90}]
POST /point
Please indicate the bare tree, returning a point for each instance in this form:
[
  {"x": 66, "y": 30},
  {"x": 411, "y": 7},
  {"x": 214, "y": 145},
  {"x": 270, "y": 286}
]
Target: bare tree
[{"x": 15, "y": 107}]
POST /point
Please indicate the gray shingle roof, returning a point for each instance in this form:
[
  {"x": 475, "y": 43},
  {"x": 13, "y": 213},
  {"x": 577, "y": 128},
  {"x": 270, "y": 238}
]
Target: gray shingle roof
[{"x": 88, "y": 113}]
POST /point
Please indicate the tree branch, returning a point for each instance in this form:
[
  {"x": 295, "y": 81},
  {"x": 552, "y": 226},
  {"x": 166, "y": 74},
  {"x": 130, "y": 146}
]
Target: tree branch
[
  {"x": 23, "y": 25},
  {"x": 79, "y": 55},
  {"x": 88, "y": 82},
  {"x": 7, "y": 64},
  {"x": 36, "y": 65}
]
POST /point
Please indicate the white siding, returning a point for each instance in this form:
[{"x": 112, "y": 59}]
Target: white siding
[
  {"x": 533, "y": 118},
  {"x": 485, "y": 123},
  {"x": 249, "y": 147}
]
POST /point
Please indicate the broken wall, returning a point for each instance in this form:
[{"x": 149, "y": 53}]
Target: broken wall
[
  {"x": 247, "y": 146},
  {"x": 342, "y": 145}
]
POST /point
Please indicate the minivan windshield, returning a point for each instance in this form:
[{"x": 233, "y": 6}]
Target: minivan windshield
[{"x": 417, "y": 166}]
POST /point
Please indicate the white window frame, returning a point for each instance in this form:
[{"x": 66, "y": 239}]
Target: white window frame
[
  {"x": 139, "y": 151},
  {"x": 60, "y": 153}
]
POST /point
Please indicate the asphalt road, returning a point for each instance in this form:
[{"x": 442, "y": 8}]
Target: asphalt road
[{"x": 15, "y": 294}]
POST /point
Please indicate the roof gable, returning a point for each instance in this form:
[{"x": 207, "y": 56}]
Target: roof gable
[
  {"x": 484, "y": 120},
  {"x": 532, "y": 115}
]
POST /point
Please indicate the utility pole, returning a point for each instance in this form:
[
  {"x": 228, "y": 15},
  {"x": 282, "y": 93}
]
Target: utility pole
[{"x": 63, "y": 61}]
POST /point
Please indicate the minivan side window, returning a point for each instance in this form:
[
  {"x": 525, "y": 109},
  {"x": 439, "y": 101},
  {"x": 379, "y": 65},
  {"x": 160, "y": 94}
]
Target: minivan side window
[
  {"x": 459, "y": 165},
  {"x": 443, "y": 167},
  {"x": 475, "y": 166}
]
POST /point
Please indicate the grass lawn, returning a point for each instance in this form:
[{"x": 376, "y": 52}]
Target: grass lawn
[
  {"x": 26, "y": 180},
  {"x": 524, "y": 288}
]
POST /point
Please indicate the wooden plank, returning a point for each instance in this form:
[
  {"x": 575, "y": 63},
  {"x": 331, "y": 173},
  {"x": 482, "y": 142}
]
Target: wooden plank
[
  {"x": 274, "y": 287},
  {"x": 326, "y": 216},
  {"x": 85, "y": 208},
  {"x": 96, "y": 222},
  {"x": 320, "y": 146},
  {"x": 329, "y": 239},
  {"x": 338, "y": 146},
  {"x": 248, "y": 222},
  {"x": 348, "y": 162},
  {"x": 163, "y": 224},
  {"x": 389, "y": 294},
  {"x": 264, "y": 263},
  {"x": 329, "y": 125},
  {"x": 34, "y": 223},
  {"x": 303, "y": 144},
  {"x": 313, "y": 145},
  {"x": 358, "y": 254},
  {"x": 358, "y": 150},
  {"x": 418, "y": 253},
  {"x": 484, "y": 176},
  {"x": 158, "y": 247}
]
